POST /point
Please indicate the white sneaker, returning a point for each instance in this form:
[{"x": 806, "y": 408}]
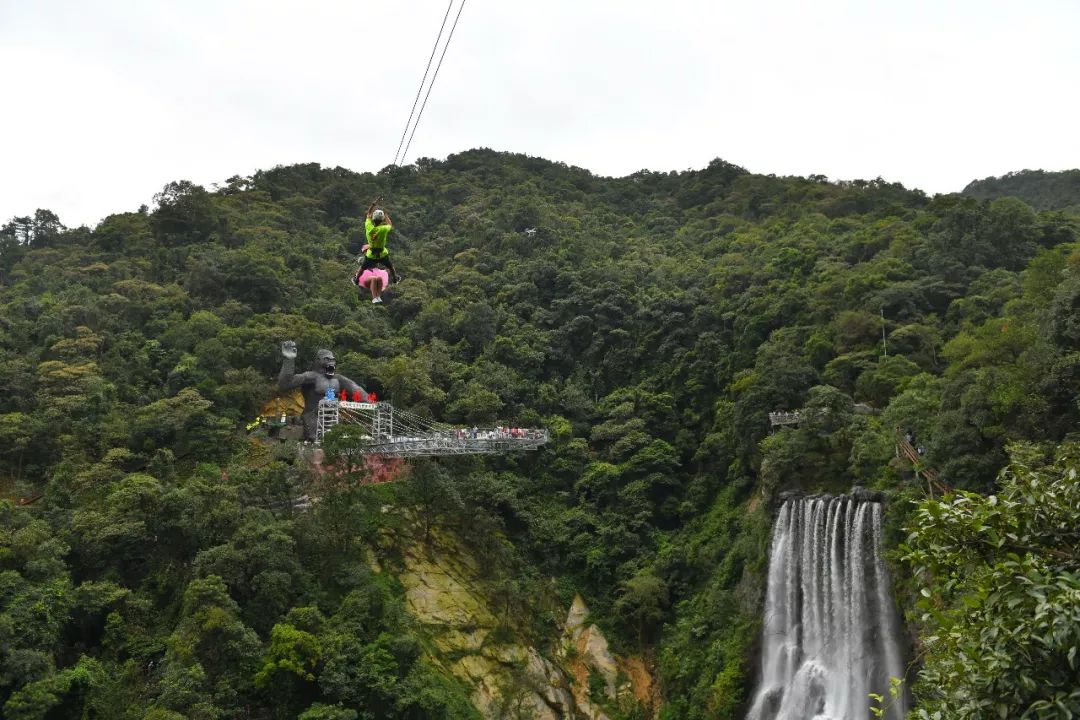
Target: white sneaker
[{"x": 376, "y": 301}]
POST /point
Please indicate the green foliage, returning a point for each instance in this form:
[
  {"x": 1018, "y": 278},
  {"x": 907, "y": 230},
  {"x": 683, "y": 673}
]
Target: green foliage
[
  {"x": 1040, "y": 189},
  {"x": 319, "y": 711},
  {"x": 167, "y": 547},
  {"x": 642, "y": 602},
  {"x": 59, "y": 693},
  {"x": 1001, "y": 593},
  {"x": 292, "y": 652},
  {"x": 703, "y": 660}
]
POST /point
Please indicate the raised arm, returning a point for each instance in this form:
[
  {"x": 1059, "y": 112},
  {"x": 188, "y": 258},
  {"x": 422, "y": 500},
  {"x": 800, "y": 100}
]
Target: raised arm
[
  {"x": 373, "y": 205},
  {"x": 288, "y": 378}
]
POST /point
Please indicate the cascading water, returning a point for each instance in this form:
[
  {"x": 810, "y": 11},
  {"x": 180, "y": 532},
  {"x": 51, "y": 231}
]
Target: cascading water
[{"x": 831, "y": 634}]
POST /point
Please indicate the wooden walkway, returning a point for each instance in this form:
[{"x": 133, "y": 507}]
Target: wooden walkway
[{"x": 905, "y": 449}]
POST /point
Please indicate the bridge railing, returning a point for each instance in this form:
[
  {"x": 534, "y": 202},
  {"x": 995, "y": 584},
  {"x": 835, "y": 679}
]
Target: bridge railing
[
  {"x": 391, "y": 432},
  {"x": 784, "y": 418}
]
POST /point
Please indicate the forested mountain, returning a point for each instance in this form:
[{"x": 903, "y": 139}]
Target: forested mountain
[
  {"x": 1038, "y": 188},
  {"x": 651, "y": 322}
]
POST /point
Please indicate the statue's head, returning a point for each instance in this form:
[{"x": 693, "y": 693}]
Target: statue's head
[{"x": 325, "y": 362}]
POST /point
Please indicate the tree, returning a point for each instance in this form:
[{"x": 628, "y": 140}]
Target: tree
[
  {"x": 41, "y": 230},
  {"x": 359, "y": 674},
  {"x": 129, "y": 232},
  {"x": 290, "y": 664},
  {"x": 1000, "y": 579},
  {"x": 259, "y": 564},
  {"x": 779, "y": 381},
  {"x": 17, "y": 431},
  {"x": 879, "y": 384},
  {"x": 184, "y": 422},
  {"x": 185, "y": 214},
  {"x": 431, "y": 491},
  {"x": 122, "y": 533},
  {"x": 474, "y": 404},
  {"x": 62, "y": 693},
  {"x": 211, "y": 650},
  {"x": 642, "y": 602},
  {"x": 408, "y": 381},
  {"x": 1012, "y": 231}
]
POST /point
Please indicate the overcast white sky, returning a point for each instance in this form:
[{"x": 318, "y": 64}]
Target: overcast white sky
[{"x": 105, "y": 101}]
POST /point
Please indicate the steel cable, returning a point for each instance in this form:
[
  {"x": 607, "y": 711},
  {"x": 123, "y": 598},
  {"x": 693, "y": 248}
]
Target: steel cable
[
  {"x": 433, "y": 78},
  {"x": 422, "y": 81}
]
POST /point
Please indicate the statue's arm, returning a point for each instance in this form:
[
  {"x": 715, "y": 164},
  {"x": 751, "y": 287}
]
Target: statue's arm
[
  {"x": 350, "y": 386},
  {"x": 288, "y": 378}
]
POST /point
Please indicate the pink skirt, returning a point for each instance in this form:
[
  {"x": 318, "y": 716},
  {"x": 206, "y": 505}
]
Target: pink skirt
[{"x": 377, "y": 274}]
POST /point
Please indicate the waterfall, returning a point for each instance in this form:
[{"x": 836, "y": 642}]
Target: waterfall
[{"x": 831, "y": 634}]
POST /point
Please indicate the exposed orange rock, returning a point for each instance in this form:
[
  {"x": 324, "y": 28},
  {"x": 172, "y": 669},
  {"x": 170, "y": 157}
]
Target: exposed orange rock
[{"x": 641, "y": 681}]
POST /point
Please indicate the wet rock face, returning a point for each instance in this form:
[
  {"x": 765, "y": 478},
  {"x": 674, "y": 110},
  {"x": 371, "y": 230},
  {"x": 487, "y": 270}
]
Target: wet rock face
[
  {"x": 588, "y": 654},
  {"x": 626, "y": 680},
  {"x": 443, "y": 592},
  {"x": 858, "y": 494},
  {"x": 861, "y": 494},
  {"x": 788, "y": 495}
]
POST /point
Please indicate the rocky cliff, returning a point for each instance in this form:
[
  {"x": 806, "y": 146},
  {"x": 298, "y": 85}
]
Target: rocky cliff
[{"x": 572, "y": 675}]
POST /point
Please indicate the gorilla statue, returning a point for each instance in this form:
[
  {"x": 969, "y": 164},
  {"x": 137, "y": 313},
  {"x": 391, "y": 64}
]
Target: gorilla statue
[{"x": 314, "y": 383}]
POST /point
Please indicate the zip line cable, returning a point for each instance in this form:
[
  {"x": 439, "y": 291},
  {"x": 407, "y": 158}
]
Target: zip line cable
[
  {"x": 433, "y": 77},
  {"x": 423, "y": 80}
]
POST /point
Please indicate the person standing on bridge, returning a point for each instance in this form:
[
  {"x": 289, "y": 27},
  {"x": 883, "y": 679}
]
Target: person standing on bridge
[{"x": 375, "y": 253}]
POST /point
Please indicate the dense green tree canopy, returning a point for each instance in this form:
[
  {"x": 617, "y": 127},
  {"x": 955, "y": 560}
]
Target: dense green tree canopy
[
  {"x": 651, "y": 322},
  {"x": 1041, "y": 189}
]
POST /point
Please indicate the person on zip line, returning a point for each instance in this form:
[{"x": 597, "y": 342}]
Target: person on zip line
[
  {"x": 375, "y": 253},
  {"x": 374, "y": 280}
]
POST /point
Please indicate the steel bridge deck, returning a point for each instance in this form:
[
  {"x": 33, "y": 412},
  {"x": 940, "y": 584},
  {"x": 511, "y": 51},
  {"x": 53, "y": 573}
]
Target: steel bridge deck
[{"x": 394, "y": 433}]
